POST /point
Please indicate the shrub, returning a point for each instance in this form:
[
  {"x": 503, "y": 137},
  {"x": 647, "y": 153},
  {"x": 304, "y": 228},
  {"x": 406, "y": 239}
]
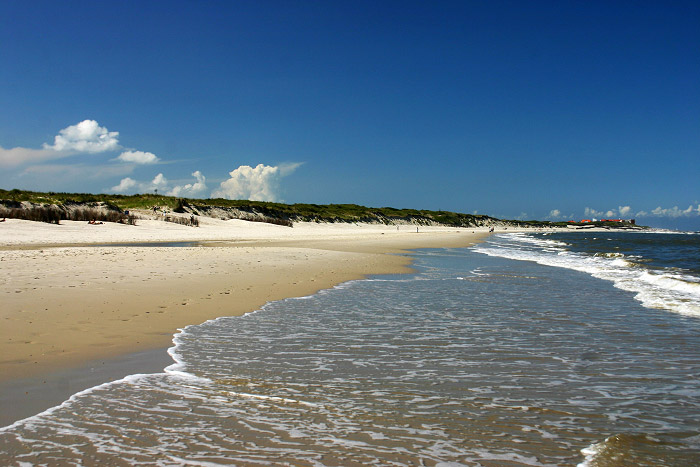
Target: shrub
[
  {"x": 54, "y": 214},
  {"x": 89, "y": 214},
  {"x": 191, "y": 221},
  {"x": 50, "y": 214}
]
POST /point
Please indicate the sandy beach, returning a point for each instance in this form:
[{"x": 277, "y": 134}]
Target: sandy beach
[{"x": 74, "y": 294}]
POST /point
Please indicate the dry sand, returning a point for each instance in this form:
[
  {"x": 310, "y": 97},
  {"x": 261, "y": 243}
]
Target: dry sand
[{"x": 65, "y": 306}]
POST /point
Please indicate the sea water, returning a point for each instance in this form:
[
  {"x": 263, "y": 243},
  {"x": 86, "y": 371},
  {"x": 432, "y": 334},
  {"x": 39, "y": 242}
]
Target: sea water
[{"x": 527, "y": 349}]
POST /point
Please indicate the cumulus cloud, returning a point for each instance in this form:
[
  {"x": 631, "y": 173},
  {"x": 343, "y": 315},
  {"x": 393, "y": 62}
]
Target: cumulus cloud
[
  {"x": 554, "y": 214},
  {"x": 626, "y": 212},
  {"x": 190, "y": 189},
  {"x": 162, "y": 185},
  {"x": 159, "y": 182},
  {"x": 621, "y": 211},
  {"x": 674, "y": 211},
  {"x": 590, "y": 212},
  {"x": 126, "y": 184},
  {"x": 254, "y": 183},
  {"x": 138, "y": 157},
  {"x": 86, "y": 136}
]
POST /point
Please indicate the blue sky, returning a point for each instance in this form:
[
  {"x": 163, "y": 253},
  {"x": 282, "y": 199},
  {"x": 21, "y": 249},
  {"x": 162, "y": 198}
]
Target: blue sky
[{"x": 516, "y": 109}]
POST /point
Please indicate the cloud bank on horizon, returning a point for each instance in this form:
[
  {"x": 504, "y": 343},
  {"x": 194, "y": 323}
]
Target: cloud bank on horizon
[
  {"x": 260, "y": 183},
  {"x": 626, "y": 212}
]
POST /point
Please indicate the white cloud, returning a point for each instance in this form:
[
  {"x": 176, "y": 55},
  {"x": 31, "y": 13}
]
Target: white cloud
[
  {"x": 255, "y": 184},
  {"x": 138, "y": 157},
  {"x": 674, "y": 211},
  {"x": 621, "y": 211},
  {"x": 289, "y": 168},
  {"x": 589, "y": 212},
  {"x": 158, "y": 182},
  {"x": 48, "y": 174},
  {"x": 86, "y": 136},
  {"x": 190, "y": 189},
  {"x": 125, "y": 185},
  {"x": 556, "y": 215},
  {"x": 624, "y": 211},
  {"x": 18, "y": 156},
  {"x": 161, "y": 183}
]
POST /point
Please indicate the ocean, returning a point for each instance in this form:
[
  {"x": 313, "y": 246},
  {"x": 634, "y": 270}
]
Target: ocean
[{"x": 529, "y": 349}]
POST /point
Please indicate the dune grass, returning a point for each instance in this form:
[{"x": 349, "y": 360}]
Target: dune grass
[{"x": 261, "y": 211}]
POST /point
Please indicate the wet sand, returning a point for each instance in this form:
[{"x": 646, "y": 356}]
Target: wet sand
[{"x": 22, "y": 398}]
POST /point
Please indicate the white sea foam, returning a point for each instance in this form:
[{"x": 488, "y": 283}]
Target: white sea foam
[
  {"x": 590, "y": 453},
  {"x": 396, "y": 372},
  {"x": 271, "y": 398},
  {"x": 40, "y": 416},
  {"x": 668, "y": 289}
]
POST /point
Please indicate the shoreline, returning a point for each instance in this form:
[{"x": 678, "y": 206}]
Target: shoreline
[
  {"x": 440, "y": 296},
  {"x": 26, "y": 397},
  {"x": 71, "y": 310}
]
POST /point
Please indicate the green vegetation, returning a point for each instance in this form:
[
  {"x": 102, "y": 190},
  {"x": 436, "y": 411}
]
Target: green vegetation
[
  {"x": 279, "y": 213},
  {"x": 122, "y": 202},
  {"x": 257, "y": 211}
]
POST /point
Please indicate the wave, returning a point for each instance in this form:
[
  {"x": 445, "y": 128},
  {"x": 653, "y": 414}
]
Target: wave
[
  {"x": 666, "y": 288},
  {"x": 641, "y": 449}
]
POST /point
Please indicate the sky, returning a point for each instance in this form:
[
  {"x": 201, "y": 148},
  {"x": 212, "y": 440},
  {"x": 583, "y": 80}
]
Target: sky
[{"x": 550, "y": 110}]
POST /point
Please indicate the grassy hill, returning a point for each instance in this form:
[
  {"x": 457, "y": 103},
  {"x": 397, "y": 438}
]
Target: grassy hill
[
  {"x": 243, "y": 209},
  {"x": 52, "y": 207}
]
